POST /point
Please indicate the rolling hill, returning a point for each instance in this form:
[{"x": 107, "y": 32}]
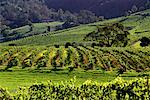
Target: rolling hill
[
  {"x": 137, "y": 24},
  {"x": 27, "y": 30}
]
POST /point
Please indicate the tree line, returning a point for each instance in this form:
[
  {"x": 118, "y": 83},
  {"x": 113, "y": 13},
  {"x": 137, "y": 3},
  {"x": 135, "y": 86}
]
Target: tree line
[{"x": 16, "y": 13}]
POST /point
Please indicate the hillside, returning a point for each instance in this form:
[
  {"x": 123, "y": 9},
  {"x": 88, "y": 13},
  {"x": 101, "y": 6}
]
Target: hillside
[
  {"x": 107, "y": 8},
  {"x": 29, "y": 30},
  {"x": 137, "y": 24},
  {"x": 17, "y": 13}
]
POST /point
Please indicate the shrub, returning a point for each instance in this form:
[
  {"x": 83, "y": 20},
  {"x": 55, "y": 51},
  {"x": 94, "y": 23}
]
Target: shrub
[
  {"x": 145, "y": 41},
  {"x": 68, "y": 44},
  {"x": 93, "y": 45},
  {"x": 56, "y": 46},
  {"x": 41, "y": 62},
  {"x": 26, "y": 63},
  {"x": 12, "y": 62},
  {"x": 4, "y": 95},
  {"x": 118, "y": 89},
  {"x": 12, "y": 44}
]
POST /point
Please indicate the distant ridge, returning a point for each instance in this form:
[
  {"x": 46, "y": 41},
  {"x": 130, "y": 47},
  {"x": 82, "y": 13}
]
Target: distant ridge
[{"x": 107, "y": 8}]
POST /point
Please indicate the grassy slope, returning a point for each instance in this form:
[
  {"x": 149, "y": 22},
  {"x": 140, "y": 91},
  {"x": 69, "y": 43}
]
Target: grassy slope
[
  {"x": 140, "y": 24},
  {"x": 38, "y": 28}
]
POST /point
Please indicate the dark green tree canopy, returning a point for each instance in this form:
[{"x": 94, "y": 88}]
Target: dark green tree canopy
[
  {"x": 145, "y": 41},
  {"x": 109, "y": 35},
  {"x": 16, "y": 13}
]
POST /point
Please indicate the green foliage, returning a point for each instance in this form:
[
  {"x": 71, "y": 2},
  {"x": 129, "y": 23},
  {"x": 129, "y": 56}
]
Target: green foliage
[
  {"x": 117, "y": 89},
  {"x": 145, "y": 41},
  {"x": 12, "y": 62},
  {"x": 41, "y": 62},
  {"x": 4, "y": 95},
  {"x": 19, "y": 13},
  {"x": 110, "y": 35}
]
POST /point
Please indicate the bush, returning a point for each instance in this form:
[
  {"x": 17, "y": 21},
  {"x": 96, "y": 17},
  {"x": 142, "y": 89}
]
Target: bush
[
  {"x": 145, "y": 41},
  {"x": 56, "y": 46},
  {"x": 12, "y": 62},
  {"x": 93, "y": 45},
  {"x": 26, "y": 63},
  {"x": 41, "y": 62},
  {"x": 12, "y": 44},
  {"x": 68, "y": 44},
  {"x": 4, "y": 95},
  {"x": 74, "y": 44},
  {"x": 118, "y": 89}
]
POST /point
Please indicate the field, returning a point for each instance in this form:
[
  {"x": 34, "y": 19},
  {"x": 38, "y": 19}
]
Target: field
[
  {"x": 31, "y": 30},
  {"x": 62, "y": 55},
  {"x": 25, "y": 84},
  {"x": 76, "y": 57},
  {"x": 12, "y": 80},
  {"x": 27, "y": 65}
]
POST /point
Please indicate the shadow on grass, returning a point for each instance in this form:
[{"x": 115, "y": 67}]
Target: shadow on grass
[
  {"x": 56, "y": 71},
  {"x": 140, "y": 75},
  {"x": 3, "y": 70}
]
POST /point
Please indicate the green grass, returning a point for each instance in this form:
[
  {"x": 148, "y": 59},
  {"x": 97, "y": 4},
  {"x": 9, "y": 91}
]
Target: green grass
[
  {"x": 59, "y": 37},
  {"x": 18, "y": 78},
  {"x": 37, "y": 27}
]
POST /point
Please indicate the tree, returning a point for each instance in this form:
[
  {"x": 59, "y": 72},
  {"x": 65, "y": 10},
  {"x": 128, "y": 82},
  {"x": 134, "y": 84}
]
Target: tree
[
  {"x": 31, "y": 27},
  {"x": 145, "y": 41},
  {"x": 69, "y": 24},
  {"x": 61, "y": 14},
  {"x": 68, "y": 44},
  {"x": 134, "y": 8},
  {"x": 48, "y": 28},
  {"x": 5, "y": 32},
  {"x": 110, "y": 35},
  {"x": 86, "y": 16},
  {"x": 147, "y": 4},
  {"x": 18, "y": 12}
]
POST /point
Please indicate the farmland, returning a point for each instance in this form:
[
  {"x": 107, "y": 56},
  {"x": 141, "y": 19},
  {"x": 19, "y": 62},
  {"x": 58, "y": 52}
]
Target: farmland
[
  {"x": 12, "y": 80},
  {"x": 76, "y": 86},
  {"x": 82, "y": 57},
  {"x": 63, "y": 54}
]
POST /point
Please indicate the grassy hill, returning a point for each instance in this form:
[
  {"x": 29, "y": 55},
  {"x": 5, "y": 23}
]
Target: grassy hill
[
  {"x": 37, "y": 27},
  {"x": 137, "y": 24},
  {"x": 25, "y": 31}
]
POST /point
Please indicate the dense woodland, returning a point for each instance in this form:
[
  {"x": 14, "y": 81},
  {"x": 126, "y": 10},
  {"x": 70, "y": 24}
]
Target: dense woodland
[
  {"x": 16, "y": 13},
  {"x": 107, "y": 8}
]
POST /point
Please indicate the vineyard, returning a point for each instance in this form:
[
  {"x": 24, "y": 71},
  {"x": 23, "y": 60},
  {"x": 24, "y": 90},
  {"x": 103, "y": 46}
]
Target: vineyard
[
  {"x": 90, "y": 52},
  {"x": 117, "y": 89},
  {"x": 76, "y": 57}
]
